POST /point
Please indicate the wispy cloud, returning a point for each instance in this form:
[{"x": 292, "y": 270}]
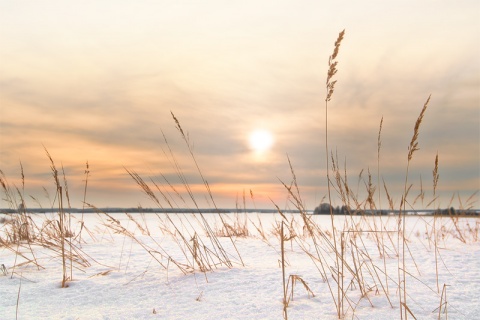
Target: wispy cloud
[{"x": 101, "y": 89}]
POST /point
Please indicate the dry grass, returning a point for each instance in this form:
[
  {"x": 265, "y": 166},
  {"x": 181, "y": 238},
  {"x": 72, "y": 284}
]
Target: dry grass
[
  {"x": 339, "y": 253},
  {"x": 358, "y": 275},
  {"x": 330, "y": 86},
  {"x": 198, "y": 255},
  {"x": 402, "y": 278},
  {"x": 18, "y": 298},
  {"x": 343, "y": 250},
  {"x": 20, "y": 234},
  {"x": 443, "y": 303}
]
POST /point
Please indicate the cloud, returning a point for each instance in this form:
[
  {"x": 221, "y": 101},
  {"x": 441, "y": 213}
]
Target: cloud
[{"x": 102, "y": 90}]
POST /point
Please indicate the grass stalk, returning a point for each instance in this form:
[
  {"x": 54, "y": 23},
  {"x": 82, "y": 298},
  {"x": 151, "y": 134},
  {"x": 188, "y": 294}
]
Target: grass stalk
[
  {"x": 443, "y": 303},
  {"x": 282, "y": 248},
  {"x": 18, "y": 298},
  {"x": 402, "y": 282},
  {"x": 87, "y": 172},
  {"x": 435, "y": 183},
  {"x": 379, "y": 146},
  {"x": 330, "y": 86},
  {"x": 68, "y": 232},
  {"x": 209, "y": 192},
  {"x": 61, "y": 226}
]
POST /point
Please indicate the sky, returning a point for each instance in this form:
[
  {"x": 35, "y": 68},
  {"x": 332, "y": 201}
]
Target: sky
[{"x": 98, "y": 81}]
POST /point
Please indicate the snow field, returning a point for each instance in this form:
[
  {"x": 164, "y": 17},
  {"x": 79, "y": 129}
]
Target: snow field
[{"x": 124, "y": 281}]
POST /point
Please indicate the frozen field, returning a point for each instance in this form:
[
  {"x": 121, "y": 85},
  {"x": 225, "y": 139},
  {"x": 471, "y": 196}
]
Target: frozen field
[{"x": 151, "y": 267}]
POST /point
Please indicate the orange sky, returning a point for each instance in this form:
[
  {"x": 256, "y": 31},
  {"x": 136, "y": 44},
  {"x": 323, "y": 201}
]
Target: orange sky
[{"x": 96, "y": 81}]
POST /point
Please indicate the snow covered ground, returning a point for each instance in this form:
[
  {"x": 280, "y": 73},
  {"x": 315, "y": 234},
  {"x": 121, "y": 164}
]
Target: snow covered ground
[{"x": 139, "y": 268}]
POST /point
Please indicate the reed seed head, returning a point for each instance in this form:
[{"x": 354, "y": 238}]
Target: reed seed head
[
  {"x": 332, "y": 67},
  {"x": 414, "y": 143}
]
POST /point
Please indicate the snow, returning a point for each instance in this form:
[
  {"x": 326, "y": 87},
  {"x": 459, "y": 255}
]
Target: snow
[{"x": 130, "y": 277}]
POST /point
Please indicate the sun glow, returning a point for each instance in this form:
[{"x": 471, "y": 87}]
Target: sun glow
[{"x": 260, "y": 140}]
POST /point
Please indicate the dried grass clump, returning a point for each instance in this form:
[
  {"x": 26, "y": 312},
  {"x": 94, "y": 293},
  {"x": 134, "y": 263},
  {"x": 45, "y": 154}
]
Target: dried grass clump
[
  {"x": 20, "y": 234},
  {"x": 202, "y": 253},
  {"x": 340, "y": 253},
  {"x": 237, "y": 228},
  {"x": 198, "y": 254}
]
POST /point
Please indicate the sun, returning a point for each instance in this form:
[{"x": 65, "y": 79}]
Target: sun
[{"x": 261, "y": 140}]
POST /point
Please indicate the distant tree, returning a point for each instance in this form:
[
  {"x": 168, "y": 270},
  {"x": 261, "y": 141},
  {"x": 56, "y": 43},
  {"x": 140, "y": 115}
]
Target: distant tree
[
  {"x": 323, "y": 208},
  {"x": 446, "y": 212},
  {"x": 344, "y": 210}
]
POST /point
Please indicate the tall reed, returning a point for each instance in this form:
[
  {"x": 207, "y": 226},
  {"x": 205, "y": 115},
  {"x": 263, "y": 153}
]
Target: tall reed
[
  {"x": 197, "y": 254},
  {"x": 435, "y": 183},
  {"x": 282, "y": 248},
  {"x": 402, "y": 272},
  {"x": 207, "y": 188},
  {"x": 330, "y": 86},
  {"x": 82, "y": 223},
  {"x": 379, "y": 145},
  {"x": 61, "y": 218}
]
